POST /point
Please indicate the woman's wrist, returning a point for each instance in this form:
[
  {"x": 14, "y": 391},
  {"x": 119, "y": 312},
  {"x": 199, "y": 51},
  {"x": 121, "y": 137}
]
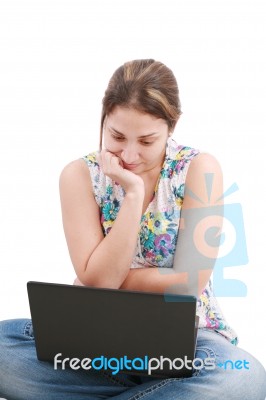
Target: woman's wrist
[{"x": 137, "y": 192}]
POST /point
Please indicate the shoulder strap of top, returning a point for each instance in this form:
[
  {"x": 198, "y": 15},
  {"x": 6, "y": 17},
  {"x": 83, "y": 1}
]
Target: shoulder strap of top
[
  {"x": 178, "y": 159},
  {"x": 97, "y": 177}
]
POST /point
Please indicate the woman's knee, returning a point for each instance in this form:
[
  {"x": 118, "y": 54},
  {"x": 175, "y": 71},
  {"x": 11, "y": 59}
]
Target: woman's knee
[
  {"x": 11, "y": 328},
  {"x": 12, "y": 333},
  {"x": 244, "y": 379},
  {"x": 256, "y": 379},
  {"x": 238, "y": 374},
  {"x": 16, "y": 349}
]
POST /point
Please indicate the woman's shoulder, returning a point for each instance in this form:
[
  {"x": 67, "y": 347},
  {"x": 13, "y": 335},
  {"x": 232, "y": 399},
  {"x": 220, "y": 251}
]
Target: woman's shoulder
[
  {"x": 78, "y": 169},
  {"x": 73, "y": 168},
  {"x": 82, "y": 173},
  {"x": 80, "y": 165}
]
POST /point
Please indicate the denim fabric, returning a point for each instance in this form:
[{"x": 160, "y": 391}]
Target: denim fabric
[{"x": 23, "y": 377}]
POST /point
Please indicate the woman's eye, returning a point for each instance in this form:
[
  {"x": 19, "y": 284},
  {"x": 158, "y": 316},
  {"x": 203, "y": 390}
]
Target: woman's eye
[
  {"x": 120, "y": 139},
  {"x": 117, "y": 138},
  {"x": 146, "y": 143}
]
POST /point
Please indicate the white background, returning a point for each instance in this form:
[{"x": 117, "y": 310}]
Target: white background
[{"x": 56, "y": 58}]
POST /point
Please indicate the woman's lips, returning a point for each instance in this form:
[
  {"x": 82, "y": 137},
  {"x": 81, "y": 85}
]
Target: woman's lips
[{"x": 130, "y": 166}]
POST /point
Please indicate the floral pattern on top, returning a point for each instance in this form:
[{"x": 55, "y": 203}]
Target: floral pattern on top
[{"x": 159, "y": 225}]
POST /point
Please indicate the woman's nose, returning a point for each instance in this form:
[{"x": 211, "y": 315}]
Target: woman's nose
[{"x": 130, "y": 155}]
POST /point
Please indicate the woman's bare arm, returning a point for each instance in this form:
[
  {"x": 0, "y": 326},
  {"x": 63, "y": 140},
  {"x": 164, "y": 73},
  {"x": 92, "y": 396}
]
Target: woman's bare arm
[{"x": 99, "y": 261}]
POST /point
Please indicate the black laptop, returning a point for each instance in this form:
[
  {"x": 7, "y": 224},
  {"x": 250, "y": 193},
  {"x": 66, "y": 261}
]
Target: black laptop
[{"x": 125, "y": 331}]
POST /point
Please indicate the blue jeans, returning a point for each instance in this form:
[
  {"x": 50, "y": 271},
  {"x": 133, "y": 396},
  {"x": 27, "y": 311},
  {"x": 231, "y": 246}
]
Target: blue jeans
[{"x": 23, "y": 377}]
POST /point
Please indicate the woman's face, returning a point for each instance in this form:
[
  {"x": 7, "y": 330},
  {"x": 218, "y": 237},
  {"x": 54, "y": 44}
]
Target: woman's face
[{"x": 138, "y": 139}]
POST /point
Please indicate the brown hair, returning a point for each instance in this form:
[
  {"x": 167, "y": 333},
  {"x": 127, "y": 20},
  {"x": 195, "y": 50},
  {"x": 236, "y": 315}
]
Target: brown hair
[{"x": 144, "y": 85}]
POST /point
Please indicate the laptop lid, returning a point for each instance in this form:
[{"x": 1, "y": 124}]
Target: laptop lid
[{"x": 119, "y": 330}]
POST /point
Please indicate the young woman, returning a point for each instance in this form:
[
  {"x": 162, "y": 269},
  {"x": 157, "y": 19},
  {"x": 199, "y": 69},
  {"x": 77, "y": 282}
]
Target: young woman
[{"x": 127, "y": 212}]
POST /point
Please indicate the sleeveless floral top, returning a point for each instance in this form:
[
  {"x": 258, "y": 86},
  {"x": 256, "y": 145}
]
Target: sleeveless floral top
[{"x": 159, "y": 224}]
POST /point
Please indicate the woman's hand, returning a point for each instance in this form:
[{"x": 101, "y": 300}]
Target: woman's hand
[{"x": 112, "y": 166}]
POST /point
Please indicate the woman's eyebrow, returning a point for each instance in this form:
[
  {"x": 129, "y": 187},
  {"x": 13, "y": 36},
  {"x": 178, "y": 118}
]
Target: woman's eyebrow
[{"x": 141, "y": 137}]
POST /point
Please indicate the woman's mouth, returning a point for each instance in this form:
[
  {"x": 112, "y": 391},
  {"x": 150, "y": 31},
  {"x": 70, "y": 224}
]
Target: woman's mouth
[{"x": 130, "y": 166}]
